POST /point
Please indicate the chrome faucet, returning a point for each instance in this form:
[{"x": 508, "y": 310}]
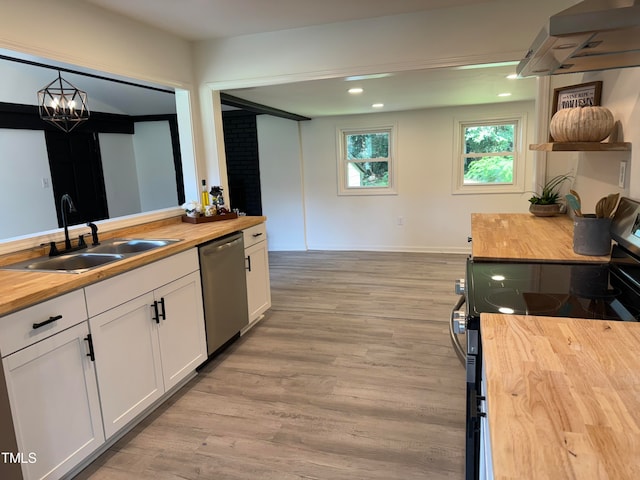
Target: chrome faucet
[{"x": 72, "y": 208}]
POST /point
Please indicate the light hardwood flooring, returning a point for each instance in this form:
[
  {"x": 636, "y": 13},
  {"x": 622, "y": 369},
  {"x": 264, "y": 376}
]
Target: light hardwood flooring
[{"x": 350, "y": 375}]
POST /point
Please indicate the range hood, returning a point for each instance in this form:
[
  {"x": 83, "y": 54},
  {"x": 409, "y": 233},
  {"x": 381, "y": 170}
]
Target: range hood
[{"x": 591, "y": 35}]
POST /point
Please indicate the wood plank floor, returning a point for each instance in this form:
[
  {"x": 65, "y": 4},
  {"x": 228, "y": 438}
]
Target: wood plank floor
[{"x": 350, "y": 375}]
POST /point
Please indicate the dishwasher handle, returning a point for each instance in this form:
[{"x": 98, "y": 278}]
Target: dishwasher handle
[{"x": 213, "y": 249}]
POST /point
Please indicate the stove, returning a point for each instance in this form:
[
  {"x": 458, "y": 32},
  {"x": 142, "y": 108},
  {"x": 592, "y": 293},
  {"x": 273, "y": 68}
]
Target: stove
[{"x": 597, "y": 291}]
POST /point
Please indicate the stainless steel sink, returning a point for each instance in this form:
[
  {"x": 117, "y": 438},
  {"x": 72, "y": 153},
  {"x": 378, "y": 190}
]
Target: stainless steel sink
[
  {"x": 74, "y": 262},
  {"x": 93, "y": 257},
  {"x": 126, "y": 246}
]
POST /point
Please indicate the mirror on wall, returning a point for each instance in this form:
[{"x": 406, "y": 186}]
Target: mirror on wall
[{"x": 124, "y": 160}]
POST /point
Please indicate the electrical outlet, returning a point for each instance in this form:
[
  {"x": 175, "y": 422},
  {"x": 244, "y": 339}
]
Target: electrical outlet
[
  {"x": 400, "y": 221},
  {"x": 622, "y": 175},
  {"x": 45, "y": 182}
]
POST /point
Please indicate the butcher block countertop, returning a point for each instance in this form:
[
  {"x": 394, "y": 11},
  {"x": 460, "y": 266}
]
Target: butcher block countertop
[
  {"x": 522, "y": 237},
  {"x": 563, "y": 397},
  {"x": 22, "y": 289}
]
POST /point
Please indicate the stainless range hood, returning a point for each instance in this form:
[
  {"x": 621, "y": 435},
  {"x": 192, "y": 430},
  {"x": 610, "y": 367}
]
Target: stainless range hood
[{"x": 591, "y": 35}]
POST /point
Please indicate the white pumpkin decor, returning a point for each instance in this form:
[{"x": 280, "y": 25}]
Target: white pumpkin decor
[{"x": 581, "y": 124}]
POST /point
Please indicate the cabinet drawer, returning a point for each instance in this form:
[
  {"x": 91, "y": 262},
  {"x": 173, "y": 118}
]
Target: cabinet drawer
[
  {"x": 17, "y": 329},
  {"x": 255, "y": 234},
  {"x": 117, "y": 290}
]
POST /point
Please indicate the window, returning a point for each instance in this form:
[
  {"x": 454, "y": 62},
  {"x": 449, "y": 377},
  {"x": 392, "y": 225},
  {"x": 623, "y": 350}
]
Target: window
[
  {"x": 488, "y": 158},
  {"x": 365, "y": 163}
]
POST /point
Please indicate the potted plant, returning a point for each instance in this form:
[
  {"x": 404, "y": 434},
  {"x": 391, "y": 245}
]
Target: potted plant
[{"x": 546, "y": 203}]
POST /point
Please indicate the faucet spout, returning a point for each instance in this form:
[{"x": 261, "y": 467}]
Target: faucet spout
[
  {"x": 94, "y": 234},
  {"x": 66, "y": 199}
]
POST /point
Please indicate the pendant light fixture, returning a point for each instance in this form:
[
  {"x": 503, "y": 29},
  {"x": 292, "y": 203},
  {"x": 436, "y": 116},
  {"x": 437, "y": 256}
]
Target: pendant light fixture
[{"x": 62, "y": 104}]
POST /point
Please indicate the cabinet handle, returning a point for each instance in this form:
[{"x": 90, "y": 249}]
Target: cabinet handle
[
  {"x": 255, "y": 235},
  {"x": 155, "y": 309},
  {"x": 91, "y": 353},
  {"x": 47, "y": 322},
  {"x": 248, "y": 263},
  {"x": 164, "y": 313}
]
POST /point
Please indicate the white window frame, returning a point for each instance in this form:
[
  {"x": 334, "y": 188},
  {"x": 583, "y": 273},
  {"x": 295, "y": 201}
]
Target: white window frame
[
  {"x": 343, "y": 162},
  {"x": 519, "y": 157}
]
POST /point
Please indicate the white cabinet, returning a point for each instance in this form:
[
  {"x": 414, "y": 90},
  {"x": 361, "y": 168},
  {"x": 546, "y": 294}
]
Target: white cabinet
[
  {"x": 257, "y": 268},
  {"x": 127, "y": 361},
  {"x": 51, "y": 385},
  {"x": 146, "y": 345},
  {"x": 181, "y": 332}
]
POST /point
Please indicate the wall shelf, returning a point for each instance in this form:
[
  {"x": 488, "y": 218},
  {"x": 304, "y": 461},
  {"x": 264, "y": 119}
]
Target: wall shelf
[{"x": 581, "y": 147}]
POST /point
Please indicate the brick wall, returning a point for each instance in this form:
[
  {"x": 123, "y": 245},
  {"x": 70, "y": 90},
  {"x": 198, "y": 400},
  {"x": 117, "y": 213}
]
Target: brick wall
[{"x": 243, "y": 168}]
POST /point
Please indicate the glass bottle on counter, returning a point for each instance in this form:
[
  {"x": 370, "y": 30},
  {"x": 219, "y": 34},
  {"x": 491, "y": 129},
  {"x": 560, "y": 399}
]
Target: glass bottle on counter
[{"x": 204, "y": 200}]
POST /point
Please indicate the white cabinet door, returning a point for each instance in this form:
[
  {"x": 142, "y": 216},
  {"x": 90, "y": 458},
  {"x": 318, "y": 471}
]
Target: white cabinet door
[
  {"x": 181, "y": 332},
  {"x": 54, "y": 403},
  {"x": 128, "y": 361},
  {"x": 258, "y": 284}
]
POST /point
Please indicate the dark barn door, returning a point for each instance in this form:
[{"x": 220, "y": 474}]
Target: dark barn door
[{"x": 76, "y": 169}]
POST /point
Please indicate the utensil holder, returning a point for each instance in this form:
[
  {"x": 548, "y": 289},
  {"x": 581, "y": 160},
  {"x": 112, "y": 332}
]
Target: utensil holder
[{"x": 591, "y": 235}]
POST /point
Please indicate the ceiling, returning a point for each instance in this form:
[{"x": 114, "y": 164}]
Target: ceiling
[
  {"x": 208, "y": 19},
  {"x": 410, "y": 90}
]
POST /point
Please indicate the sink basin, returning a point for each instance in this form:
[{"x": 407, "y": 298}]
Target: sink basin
[
  {"x": 126, "y": 246},
  {"x": 93, "y": 257},
  {"x": 75, "y": 263}
]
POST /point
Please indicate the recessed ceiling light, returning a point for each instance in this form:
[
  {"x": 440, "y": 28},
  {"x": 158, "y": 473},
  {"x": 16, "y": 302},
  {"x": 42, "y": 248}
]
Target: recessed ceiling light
[
  {"x": 378, "y": 105},
  {"x": 506, "y": 94},
  {"x": 513, "y": 76},
  {"x": 355, "y": 91}
]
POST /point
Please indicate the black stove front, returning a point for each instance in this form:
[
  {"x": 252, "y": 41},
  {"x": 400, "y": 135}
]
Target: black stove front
[{"x": 609, "y": 291}]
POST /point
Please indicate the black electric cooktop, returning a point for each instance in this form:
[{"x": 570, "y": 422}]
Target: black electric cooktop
[{"x": 597, "y": 291}]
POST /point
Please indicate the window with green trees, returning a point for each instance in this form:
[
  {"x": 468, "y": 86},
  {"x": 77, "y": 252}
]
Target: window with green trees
[
  {"x": 489, "y": 153},
  {"x": 366, "y": 159}
]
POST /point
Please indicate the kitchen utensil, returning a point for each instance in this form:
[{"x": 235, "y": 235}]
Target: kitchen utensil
[
  {"x": 611, "y": 203},
  {"x": 575, "y": 194},
  {"x": 574, "y": 203},
  {"x": 600, "y": 207}
]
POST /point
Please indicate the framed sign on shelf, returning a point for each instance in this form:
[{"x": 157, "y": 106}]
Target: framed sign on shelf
[{"x": 581, "y": 95}]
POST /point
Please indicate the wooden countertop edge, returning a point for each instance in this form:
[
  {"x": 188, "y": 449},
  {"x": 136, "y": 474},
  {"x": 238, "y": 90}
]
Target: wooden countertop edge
[{"x": 24, "y": 289}]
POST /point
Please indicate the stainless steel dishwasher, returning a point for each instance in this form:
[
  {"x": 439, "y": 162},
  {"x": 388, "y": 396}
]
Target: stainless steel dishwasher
[{"x": 224, "y": 289}]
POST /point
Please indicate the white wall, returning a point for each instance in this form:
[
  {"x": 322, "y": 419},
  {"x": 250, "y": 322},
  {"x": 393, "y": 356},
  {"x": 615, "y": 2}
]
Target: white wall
[
  {"x": 433, "y": 219},
  {"x": 24, "y": 159},
  {"x": 597, "y": 172},
  {"x": 281, "y": 182},
  {"x": 154, "y": 164},
  {"x": 139, "y": 172},
  {"x": 120, "y": 175}
]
